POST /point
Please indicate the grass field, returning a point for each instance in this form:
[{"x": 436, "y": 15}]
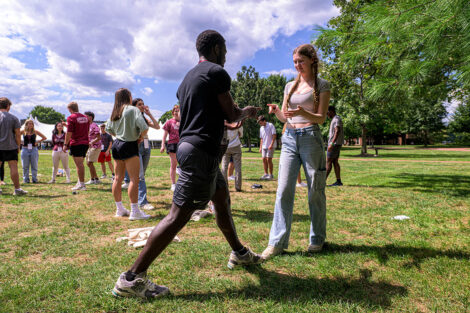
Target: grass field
[{"x": 59, "y": 251}]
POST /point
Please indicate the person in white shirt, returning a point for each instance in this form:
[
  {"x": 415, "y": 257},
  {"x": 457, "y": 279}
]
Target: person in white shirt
[
  {"x": 234, "y": 151},
  {"x": 267, "y": 134}
]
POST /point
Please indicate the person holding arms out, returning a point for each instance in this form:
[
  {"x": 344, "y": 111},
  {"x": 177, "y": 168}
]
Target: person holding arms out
[
  {"x": 29, "y": 151},
  {"x": 58, "y": 153},
  {"x": 304, "y": 107}
]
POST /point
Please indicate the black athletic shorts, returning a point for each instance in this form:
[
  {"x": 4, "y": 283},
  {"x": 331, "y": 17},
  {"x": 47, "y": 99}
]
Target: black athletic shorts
[
  {"x": 334, "y": 154},
  {"x": 123, "y": 150},
  {"x": 199, "y": 178},
  {"x": 78, "y": 151},
  {"x": 8, "y": 155},
  {"x": 171, "y": 147}
]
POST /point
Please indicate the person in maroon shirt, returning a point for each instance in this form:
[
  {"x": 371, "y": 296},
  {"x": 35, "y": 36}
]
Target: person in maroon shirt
[{"x": 77, "y": 140}]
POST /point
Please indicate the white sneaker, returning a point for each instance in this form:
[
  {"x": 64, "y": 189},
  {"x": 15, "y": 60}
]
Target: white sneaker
[
  {"x": 231, "y": 177},
  {"x": 302, "y": 184},
  {"x": 19, "y": 192},
  {"x": 140, "y": 287},
  {"x": 125, "y": 185},
  {"x": 79, "y": 187},
  {"x": 138, "y": 215},
  {"x": 148, "y": 206},
  {"x": 103, "y": 176},
  {"x": 173, "y": 187},
  {"x": 52, "y": 181},
  {"x": 90, "y": 182},
  {"x": 270, "y": 177},
  {"x": 271, "y": 251},
  {"x": 68, "y": 181},
  {"x": 265, "y": 176},
  {"x": 121, "y": 212},
  {"x": 97, "y": 181}
]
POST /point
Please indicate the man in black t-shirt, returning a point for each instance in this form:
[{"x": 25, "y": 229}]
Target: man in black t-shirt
[{"x": 205, "y": 102}]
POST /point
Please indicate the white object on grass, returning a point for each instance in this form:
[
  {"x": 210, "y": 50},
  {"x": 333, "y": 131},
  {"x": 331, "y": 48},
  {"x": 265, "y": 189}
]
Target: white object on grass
[{"x": 401, "y": 217}]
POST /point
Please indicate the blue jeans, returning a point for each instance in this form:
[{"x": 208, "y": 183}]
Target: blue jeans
[
  {"x": 300, "y": 146},
  {"x": 30, "y": 158},
  {"x": 144, "y": 157}
]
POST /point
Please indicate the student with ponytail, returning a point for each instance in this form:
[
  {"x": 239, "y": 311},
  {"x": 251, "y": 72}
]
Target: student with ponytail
[{"x": 304, "y": 108}]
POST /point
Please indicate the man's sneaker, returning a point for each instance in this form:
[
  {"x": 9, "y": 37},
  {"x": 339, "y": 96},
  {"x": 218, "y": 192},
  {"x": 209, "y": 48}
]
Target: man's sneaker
[
  {"x": 335, "y": 184},
  {"x": 52, "y": 181},
  {"x": 125, "y": 185},
  {"x": 79, "y": 187},
  {"x": 302, "y": 184},
  {"x": 265, "y": 176},
  {"x": 19, "y": 192},
  {"x": 173, "y": 187},
  {"x": 147, "y": 206},
  {"x": 121, "y": 212},
  {"x": 140, "y": 287},
  {"x": 271, "y": 251},
  {"x": 248, "y": 258},
  {"x": 138, "y": 215},
  {"x": 90, "y": 182},
  {"x": 270, "y": 176},
  {"x": 97, "y": 181},
  {"x": 231, "y": 177},
  {"x": 315, "y": 247},
  {"x": 103, "y": 176}
]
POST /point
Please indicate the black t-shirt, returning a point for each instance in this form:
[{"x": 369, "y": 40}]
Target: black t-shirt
[{"x": 202, "y": 117}]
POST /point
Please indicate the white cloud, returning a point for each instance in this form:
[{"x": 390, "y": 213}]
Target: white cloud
[
  {"x": 95, "y": 47},
  {"x": 147, "y": 91},
  {"x": 287, "y": 72}
]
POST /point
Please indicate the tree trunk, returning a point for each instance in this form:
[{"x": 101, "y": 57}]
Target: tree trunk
[
  {"x": 364, "y": 141},
  {"x": 248, "y": 141},
  {"x": 425, "y": 138}
]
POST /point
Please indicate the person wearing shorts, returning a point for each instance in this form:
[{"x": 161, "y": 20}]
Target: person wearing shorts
[
  {"x": 105, "y": 154},
  {"x": 171, "y": 130},
  {"x": 205, "y": 101},
  {"x": 10, "y": 141},
  {"x": 267, "y": 145},
  {"x": 94, "y": 150},
  {"x": 77, "y": 140},
  {"x": 335, "y": 142}
]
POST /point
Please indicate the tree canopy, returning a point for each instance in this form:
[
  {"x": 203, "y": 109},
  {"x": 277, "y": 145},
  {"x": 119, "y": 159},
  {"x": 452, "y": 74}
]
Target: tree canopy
[{"x": 46, "y": 114}]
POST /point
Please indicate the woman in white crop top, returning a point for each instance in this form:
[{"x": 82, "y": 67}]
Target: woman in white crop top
[{"x": 304, "y": 107}]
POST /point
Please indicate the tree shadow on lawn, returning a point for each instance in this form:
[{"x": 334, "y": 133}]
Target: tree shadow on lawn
[
  {"x": 289, "y": 289},
  {"x": 262, "y": 216},
  {"x": 384, "y": 253},
  {"x": 454, "y": 185}
]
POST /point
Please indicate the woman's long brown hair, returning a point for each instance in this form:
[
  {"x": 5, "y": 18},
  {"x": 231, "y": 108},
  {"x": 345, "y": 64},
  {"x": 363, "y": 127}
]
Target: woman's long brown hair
[{"x": 122, "y": 97}]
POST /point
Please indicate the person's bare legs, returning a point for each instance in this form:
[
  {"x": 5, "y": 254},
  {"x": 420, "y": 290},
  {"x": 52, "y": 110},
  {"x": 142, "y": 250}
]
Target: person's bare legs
[
  {"x": 265, "y": 165},
  {"x": 80, "y": 168},
  {"x": 15, "y": 178},
  {"x": 119, "y": 170},
  {"x": 270, "y": 164},
  {"x": 92, "y": 168},
  {"x": 337, "y": 169},
  {"x": 173, "y": 164},
  {"x": 299, "y": 178},
  {"x": 231, "y": 167},
  {"x": 161, "y": 236},
  {"x": 110, "y": 165},
  {"x": 133, "y": 167},
  {"x": 103, "y": 168},
  {"x": 329, "y": 161}
]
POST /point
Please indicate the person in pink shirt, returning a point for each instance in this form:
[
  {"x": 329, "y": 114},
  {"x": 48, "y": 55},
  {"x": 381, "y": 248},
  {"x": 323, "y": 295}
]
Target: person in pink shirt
[
  {"x": 171, "y": 130},
  {"x": 77, "y": 140},
  {"x": 94, "y": 150},
  {"x": 58, "y": 153}
]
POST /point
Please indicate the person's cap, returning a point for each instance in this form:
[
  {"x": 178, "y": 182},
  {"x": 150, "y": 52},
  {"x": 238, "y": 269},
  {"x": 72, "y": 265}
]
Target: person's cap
[{"x": 260, "y": 118}]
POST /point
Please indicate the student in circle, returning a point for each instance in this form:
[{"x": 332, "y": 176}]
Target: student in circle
[
  {"x": 128, "y": 126},
  {"x": 171, "y": 130},
  {"x": 29, "y": 151},
  {"x": 58, "y": 153},
  {"x": 304, "y": 108},
  {"x": 105, "y": 154}
]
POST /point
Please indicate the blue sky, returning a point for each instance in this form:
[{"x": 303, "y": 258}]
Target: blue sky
[{"x": 56, "y": 51}]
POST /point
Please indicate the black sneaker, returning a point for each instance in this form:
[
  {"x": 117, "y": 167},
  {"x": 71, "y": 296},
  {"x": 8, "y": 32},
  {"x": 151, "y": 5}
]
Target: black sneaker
[{"x": 336, "y": 184}]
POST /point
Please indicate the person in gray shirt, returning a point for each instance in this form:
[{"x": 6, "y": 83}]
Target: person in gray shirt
[
  {"x": 335, "y": 142},
  {"x": 10, "y": 141}
]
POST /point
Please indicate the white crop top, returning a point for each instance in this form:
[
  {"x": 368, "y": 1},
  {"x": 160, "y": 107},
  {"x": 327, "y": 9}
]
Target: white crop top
[{"x": 304, "y": 100}]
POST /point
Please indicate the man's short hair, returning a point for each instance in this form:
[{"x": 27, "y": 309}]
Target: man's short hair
[
  {"x": 207, "y": 40},
  {"x": 331, "y": 109},
  {"x": 4, "y": 103},
  {"x": 103, "y": 125},
  {"x": 91, "y": 114},
  {"x": 261, "y": 118},
  {"x": 73, "y": 106}
]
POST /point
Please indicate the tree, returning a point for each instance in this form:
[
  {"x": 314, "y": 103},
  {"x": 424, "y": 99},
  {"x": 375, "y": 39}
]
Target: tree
[
  {"x": 46, "y": 115},
  {"x": 460, "y": 124},
  {"x": 165, "y": 117}
]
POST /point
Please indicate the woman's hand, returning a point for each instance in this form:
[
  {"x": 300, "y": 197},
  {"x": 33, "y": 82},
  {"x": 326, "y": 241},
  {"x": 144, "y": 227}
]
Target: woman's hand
[
  {"x": 162, "y": 149},
  {"x": 295, "y": 112}
]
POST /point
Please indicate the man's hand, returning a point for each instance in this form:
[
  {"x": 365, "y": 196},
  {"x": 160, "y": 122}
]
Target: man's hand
[
  {"x": 330, "y": 148},
  {"x": 106, "y": 153},
  {"x": 270, "y": 147}
]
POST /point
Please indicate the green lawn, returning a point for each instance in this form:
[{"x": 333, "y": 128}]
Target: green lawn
[{"x": 59, "y": 252}]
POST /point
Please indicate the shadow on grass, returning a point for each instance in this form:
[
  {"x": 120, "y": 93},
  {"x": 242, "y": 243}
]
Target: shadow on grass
[
  {"x": 384, "y": 253},
  {"x": 285, "y": 289},
  {"x": 261, "y": 216},
  {"x": 454, "y": 185}
]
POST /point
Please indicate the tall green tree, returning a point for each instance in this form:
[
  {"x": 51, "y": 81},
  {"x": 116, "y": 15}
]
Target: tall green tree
[
  {"x": 459, "y": 126},
  {"x": 46, "y": 115}
]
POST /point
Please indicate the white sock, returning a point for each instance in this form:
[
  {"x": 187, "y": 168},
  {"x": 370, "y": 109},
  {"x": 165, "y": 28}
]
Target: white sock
[
  {"x": 134, "y": 207},
  {"x": 119, "y": 206},
  {"x": 81, "y": 183}
]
